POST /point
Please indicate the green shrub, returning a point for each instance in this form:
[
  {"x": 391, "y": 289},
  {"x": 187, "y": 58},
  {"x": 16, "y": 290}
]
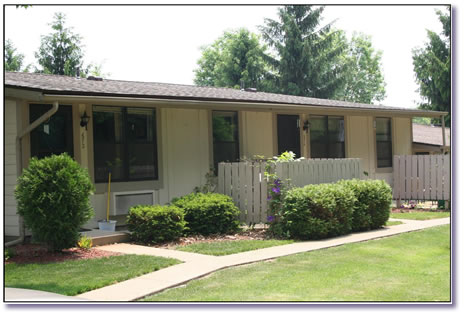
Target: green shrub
[
  {"x": 84, "y": 243},
  {"x": 9, "y": 253},
  {"x": 53, "y": 197},
  {"x": 373, "y": 204},
  {"x": 317, "y": 211},
  {"x": 155, "y": 223},
  {"x": 208, "y": 213}
]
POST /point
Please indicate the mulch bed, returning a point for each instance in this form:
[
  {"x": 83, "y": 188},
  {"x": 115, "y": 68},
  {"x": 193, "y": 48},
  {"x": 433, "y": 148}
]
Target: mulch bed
[
  {"x": 250, "y": 234},
  {"x": 36, "y": 253},
  {"x": 415, "y": 210}
]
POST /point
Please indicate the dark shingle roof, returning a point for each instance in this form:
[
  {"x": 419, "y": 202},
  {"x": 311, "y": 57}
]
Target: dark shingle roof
[
  {"x": 430, "y": 135},
  {"x": 65, "y": 85}
]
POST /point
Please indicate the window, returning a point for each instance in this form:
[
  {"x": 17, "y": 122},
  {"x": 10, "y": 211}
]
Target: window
[
  {"x": 383, "y": 142},
  {"x": 327, "y": 137},
  {"x": 225, "y": 137},
  {"x": 124, "y": 144},
  {"x": 55, "y": 135}
]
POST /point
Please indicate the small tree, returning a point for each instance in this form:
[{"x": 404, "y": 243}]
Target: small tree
[
  {"x": 13, "y": 60},
  {"x": 53, "y": 197},
  {"x": 60, "y": 52}
]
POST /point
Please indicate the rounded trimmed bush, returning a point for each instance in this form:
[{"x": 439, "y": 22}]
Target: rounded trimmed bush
[
  {"x": 317, "y": 211},
  {"x": 209, "y": 213},
  {"x": 373, "y": 205},
  {"x": 155, "y": 223},
  {"x": 53, "y": 198}
]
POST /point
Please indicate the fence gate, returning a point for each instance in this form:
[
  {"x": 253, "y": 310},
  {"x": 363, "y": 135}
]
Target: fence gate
[
  {"x": 245, "y": 182},
  {"x": 422, "y": 177}
]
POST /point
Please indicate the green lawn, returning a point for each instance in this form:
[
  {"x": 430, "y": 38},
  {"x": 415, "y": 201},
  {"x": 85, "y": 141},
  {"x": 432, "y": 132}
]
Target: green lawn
[
  {"x": 420, "y": 215},
  {"x": 222, "y": 248},
  {"x": 393, "y": 223},
  {"x": 77, "y": 276},
  {"x": 407, "y": 267}
]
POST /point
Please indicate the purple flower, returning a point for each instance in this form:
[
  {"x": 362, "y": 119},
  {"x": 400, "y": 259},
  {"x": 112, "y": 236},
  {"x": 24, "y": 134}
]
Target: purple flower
[
  {"x": 268, "y": 197},
  {"x": 276, "y": 190},
  {"x": 270, "y": 218},
  {"x": 277, "y": 182}
]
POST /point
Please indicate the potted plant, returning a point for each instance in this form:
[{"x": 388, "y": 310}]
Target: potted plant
[{"x": 107, "y": 224}]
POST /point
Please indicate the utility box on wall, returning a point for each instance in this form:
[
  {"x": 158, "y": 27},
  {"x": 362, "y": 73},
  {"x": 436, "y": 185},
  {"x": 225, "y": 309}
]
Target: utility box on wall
[{"x": 121, "y": 202}]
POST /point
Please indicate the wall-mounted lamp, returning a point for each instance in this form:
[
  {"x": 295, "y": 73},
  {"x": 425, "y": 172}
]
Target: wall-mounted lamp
[
  {"x": 84, "y": 120},
  {"x": 306, "y": 125}
]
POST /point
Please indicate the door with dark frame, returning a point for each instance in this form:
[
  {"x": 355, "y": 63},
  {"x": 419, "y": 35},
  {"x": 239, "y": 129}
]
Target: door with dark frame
[{"x": 289, "y": 134}]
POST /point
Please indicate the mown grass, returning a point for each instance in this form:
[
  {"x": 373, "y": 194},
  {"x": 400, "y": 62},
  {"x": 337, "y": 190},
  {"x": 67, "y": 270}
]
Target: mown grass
[
  {"x": 222, "y": 248},
  {"x": 407, "y": 267},
  {"x": 78, "y": 276},
  {"x": 421, "y": 216},
  {"x": 393, "y": 223}
]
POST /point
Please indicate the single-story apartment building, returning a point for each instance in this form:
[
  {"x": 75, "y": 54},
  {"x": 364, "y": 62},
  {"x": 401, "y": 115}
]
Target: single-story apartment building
[
  {"x": 428, "y": 140},
  {"x": 159, "y": 140}
]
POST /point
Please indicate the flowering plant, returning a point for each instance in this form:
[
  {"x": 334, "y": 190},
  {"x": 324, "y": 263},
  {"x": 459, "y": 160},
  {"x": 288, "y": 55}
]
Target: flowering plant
[{"x": 276, "y": 187}]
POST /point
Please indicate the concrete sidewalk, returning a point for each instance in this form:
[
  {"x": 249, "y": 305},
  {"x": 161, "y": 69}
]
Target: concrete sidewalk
[{"x": 197, "y": 265}]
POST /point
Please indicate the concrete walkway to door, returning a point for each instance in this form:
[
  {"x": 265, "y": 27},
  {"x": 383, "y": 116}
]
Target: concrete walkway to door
[{"x": 195, "y": 265}]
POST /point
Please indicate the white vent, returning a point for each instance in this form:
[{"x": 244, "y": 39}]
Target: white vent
[{"x": 123, "y": 201}]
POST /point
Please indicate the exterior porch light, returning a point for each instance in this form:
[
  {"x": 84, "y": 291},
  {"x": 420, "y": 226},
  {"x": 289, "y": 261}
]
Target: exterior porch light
[
  {"x": 84, "y": 120},
  {"x": 306, "y": 125}
]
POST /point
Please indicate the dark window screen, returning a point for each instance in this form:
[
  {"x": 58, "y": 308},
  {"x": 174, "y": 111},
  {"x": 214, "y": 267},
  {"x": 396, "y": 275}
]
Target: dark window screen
[
  {"x": 383, "y": 143},
  {"x": 327, "y": 137},
  {"x": 289, "y": 134},
  {"x": 55, "y": 135},
  {"x": 124, "y": 144},
  {"x": 225, "y": 137}
]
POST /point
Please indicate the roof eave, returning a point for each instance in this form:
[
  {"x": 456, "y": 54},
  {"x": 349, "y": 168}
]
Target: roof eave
[{"x": 51, "y": 95}]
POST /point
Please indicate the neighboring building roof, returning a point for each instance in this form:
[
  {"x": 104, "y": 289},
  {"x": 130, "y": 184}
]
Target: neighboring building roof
[
  {"x": 429, "y": 135},
  {"x": 65, "y": 85}
]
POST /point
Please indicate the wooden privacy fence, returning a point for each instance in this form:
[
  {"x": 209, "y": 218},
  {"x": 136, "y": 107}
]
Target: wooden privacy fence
[
  {"x": 422, "y": 177},
  {"x": 246, "y": 183}
]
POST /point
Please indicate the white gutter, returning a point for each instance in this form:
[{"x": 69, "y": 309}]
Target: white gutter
[
  {"x": 248, "y": 105},
  {"x": 19, "y": 153}
]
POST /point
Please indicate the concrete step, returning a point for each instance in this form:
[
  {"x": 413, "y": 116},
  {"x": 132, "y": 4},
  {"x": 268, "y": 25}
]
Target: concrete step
[{"x": 102, "y": 237}]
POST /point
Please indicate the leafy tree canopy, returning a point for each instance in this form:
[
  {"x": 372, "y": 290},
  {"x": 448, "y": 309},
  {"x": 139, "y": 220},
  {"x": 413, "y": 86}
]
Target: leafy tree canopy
[
  {"x": 235, "y": 58},
  {"x": 364, "y": 78},
  {"x": 432, "y": 69}
]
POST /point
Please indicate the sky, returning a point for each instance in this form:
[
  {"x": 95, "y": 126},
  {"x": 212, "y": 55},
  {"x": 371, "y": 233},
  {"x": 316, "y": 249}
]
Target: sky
[{"x": 162, "y": 43}]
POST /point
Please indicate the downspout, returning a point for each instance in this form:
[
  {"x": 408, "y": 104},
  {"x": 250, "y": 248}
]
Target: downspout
[
  {"x": 443, "y": 150},
  {"x": 19, "y": 152}
]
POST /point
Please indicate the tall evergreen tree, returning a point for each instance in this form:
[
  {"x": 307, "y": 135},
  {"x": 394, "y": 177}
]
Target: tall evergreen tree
[
  {"x": 234, "y": 58},
  {"x": 307, "y": 57},
  {"x": 432, "y": 69},
  {"x": 60, "y": 52},
  {"x": 13, "y": 60}
]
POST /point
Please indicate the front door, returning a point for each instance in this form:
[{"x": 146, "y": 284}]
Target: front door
[
  {"x": 289, "y": 134},
  {"x": 55, "y": 135}
]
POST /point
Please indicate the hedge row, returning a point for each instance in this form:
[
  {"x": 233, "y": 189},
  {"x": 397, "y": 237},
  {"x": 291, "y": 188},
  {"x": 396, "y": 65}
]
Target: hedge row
[
  {"x": 196, "y": 213},
  {"x": 328, "y": 210}
]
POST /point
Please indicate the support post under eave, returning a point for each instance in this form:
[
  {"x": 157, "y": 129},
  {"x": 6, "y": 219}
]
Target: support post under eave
[{"x": 443, "y": 149}]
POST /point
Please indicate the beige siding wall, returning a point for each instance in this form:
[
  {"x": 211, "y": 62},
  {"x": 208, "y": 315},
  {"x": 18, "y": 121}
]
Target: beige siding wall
[
  {"x": 361, "y": 143},
  {"x": 10, "y": 171},
  {"x": 402, "y": 136},
  {"x": 185, "y": 149},
  {"x": 184, "y": 159},
  {"x": 256, "y": 134}
]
